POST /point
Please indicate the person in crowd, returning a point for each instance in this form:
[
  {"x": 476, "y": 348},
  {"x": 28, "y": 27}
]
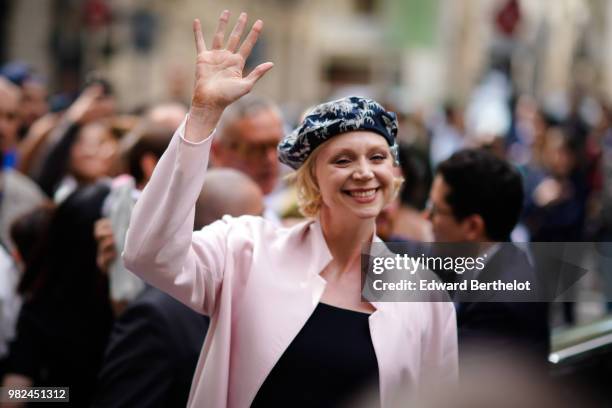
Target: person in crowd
[
  {"x": 34, "y": 93},
  {"x": 10, "y": 303},
  {"x": 217, "y": 200},
  {"x": 526, "y": 133},
  {"x": 10, "y": 97},
  {"x": 18, "y": 193},
  {"x": 28, "y": 234},
  {"x": 556, "y": 192},
  {"x": 32, "y": 146},
  {"x": 477, "y": 198},
  {"x": 92, "y": 157},
  {"x": 402, "y": 219},
  {"x": 288, "y": 327},
  {"x": 66, "y": 316},
  {"x": 155, "y": 343},
  {"x": 556, "y": 199},
  {"x": 151, "y": 354},
  {"x": 33, "y": 103},
  {"x": 53, "y": 133},
  {"x": 248, "y": 134},
  {"x": 448, "y": 134},
  {"x": 81, "y": 147}
]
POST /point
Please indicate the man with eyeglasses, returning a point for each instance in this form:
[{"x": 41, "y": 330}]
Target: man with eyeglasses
[
  {"x": 476, "y": 199},
  {"x": 246, "y": 140}
]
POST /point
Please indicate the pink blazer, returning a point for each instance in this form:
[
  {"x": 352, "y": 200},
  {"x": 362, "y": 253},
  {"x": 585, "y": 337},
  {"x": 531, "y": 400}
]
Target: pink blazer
[{"x": 259, "y": 284}]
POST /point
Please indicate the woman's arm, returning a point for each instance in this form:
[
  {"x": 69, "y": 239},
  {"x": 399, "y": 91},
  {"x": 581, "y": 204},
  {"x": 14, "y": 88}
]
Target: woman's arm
[
  {"x": 33, "y": 143},
  {"x": 160, "y": 246}
]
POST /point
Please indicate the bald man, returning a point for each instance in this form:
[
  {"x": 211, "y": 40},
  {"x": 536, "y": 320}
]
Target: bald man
[{"x": 227, "y": 191}]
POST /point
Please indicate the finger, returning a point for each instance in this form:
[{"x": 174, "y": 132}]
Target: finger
[
  {"x": 92, "y": 92},
  {"x": 103, "y": 232},
  {"x": 250, "y": 40},
  {"x": 102, "y": 228},
  {"x": 199, "y": 38},
  {"x": 107, "y": 242},
  {"x": 102, "y": 223},
  {"x": 220, "y": 33},
  {"x": 234, "y": 39},
  {"x": 258, "y": 72}
]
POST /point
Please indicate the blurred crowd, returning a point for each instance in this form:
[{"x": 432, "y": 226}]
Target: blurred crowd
[{"x": 73, "y": 167}]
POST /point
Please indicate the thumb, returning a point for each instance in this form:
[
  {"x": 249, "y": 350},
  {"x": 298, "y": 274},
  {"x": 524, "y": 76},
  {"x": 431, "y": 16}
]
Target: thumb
[{"x": 258, "y": 72}]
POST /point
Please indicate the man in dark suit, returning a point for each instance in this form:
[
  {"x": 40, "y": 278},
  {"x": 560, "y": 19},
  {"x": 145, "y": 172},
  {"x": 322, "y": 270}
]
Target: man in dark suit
[
  {"x": 152, "y": 354},
  {"x": 477, "y": 198}
]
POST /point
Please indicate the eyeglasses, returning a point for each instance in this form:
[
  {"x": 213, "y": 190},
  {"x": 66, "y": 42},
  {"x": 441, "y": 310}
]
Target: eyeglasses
[
  {"x": 252, "y": 150},
  {"x": 433, "y": 210}
]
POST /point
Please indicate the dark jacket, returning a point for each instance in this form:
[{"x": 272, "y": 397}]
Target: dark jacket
[
  {"x": 152, "y": 354},
  {"x": 505, "y": 326},
  {"x": 66, "y": 317}
]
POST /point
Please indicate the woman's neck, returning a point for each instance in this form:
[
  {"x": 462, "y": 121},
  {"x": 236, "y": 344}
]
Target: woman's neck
[{"x": 345, "y": 236}]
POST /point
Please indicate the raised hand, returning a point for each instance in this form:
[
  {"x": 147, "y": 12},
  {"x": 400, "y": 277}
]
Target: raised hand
[
  {"x": 219, "y": 71},
  {"x": 90, "y": 106}
]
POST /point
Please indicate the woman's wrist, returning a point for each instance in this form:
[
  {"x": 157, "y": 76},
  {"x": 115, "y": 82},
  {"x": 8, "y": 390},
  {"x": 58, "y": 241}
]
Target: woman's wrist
[{"x": 201, "y": 122}]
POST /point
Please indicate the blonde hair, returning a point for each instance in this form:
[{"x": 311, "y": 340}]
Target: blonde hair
[{"x": 309, "y": 198}]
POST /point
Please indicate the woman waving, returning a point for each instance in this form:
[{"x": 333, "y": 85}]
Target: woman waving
[{"x": 288, "y": 325}]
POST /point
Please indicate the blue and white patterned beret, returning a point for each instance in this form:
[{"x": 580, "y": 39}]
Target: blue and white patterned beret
[{"x": 333, "y": 118}]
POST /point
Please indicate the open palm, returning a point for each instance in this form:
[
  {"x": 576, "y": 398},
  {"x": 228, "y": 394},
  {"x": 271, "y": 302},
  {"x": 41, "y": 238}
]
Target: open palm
[{"x": 219, "y": 70}]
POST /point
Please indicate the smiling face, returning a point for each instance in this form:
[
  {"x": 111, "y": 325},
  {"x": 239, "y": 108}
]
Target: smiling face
[{"x": 354, "y": 172}]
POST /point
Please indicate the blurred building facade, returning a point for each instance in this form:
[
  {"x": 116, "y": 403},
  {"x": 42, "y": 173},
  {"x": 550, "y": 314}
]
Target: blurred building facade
[{"x": 411, "y": 52}]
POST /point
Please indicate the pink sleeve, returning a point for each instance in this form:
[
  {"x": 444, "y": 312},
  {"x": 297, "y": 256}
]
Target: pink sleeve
[{"x": 160, "y": 245}]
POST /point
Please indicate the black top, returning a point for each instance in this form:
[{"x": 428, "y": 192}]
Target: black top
[{"x": 329, "y": 362}]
